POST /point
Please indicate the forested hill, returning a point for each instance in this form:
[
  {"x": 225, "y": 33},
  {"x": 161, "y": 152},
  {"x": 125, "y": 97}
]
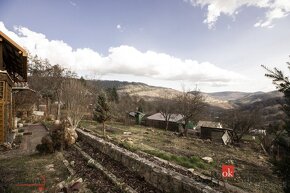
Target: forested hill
[
  {"x": 226, "y": 98},
  {"x": 268, "y": 103}
]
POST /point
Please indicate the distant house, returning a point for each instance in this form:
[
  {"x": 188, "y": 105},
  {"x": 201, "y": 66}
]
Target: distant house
[
  {"x": 136, "y": 117},
  {"x": 214, "y": 132},
  {"x": 209, "y": 124},
  {"x": 158, "y": 121},
  {"x": 132, "y": 114},
  {"x": 258, "y": 132}
]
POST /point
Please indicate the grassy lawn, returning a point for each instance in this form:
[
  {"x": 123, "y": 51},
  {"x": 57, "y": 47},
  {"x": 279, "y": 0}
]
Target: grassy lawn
[
  {"x": 252, "y": 169},
  {"x": 27, "y": 169}
]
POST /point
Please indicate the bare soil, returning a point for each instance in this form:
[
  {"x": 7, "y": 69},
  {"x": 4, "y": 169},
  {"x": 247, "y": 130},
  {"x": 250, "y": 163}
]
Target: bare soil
[
  {"x": 131, "y": 178},
  {"x": 95, "y": 179}
]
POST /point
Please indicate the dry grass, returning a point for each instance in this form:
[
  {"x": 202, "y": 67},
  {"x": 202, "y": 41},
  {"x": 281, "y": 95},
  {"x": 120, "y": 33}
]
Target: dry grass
[
  {"x": 28, "y": 169},
  {"x": 252, "y": 169}
]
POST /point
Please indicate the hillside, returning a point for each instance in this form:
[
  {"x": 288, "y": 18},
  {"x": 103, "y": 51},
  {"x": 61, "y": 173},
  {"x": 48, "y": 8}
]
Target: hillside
[
  {"x": 147, "y": 92},
  {"x": 228, "y": 95},
  {"x": 257, "y": 97},
  {"x": 226, "y": 100},
  {"x": 153, "y": 92},
  {"x": 267, "y": 102}
]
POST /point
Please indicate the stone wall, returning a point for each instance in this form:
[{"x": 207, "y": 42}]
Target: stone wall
[{"x": 161, "y": 178}]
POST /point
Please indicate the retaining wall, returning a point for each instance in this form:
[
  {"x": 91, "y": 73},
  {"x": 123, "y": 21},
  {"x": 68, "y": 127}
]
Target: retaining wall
[{"x": 161, "y": 178}]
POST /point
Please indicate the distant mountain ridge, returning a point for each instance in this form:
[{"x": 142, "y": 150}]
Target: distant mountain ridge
[
  {"x": 225, "y": 99},
  {"x": 269, "y": 103},
  {"x": 258, "y": 97},
  {"x": 228, "y": 95}
]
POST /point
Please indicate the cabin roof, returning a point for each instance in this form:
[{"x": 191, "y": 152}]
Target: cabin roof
[
  {"x": 159, "y": 117},
  {"x": 13, "y": 59},
  {"x": 209, "y": 124}
]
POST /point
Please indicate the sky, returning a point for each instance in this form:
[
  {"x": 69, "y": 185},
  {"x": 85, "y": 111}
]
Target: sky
[{"x": 214, "y": 45}]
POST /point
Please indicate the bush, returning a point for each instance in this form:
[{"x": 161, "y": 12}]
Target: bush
[
  {"x": 18, "y": 139},
  {"x": 21, "y": 130},
  {"x": 52, "y": 142}
]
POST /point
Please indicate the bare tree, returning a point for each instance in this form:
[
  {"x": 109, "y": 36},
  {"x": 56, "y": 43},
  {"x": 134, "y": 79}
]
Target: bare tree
[
  {"x": 39, "y": 71},
  {"x": 190, "y": 104},
  {"x": 121, "y": 110},
  {"x": 24, "y": 100},
  {"x": 242, "y": 122},
  {"x": 58, "y": 76},
  {"x": 76, "y": 100},
  {"x": 166, "y": 106},
  {"x": 47, "y": 79}
]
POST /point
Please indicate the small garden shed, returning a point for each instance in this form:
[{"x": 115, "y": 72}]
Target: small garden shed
[
  {"x": 221, "y": 135},
  {"x": 13, "y": 69}
]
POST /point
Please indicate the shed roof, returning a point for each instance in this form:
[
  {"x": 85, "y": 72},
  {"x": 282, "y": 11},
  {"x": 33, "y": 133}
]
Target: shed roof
[
  {"x": 159, "y": 117},
  {"x": 209, "y": 124},
  {"x": 14, "y": 59},
  {"x": 133, "y": 114}
]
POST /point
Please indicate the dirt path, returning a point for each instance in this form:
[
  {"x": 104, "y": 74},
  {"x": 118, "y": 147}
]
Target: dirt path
[{"x": 28, "y": 143}]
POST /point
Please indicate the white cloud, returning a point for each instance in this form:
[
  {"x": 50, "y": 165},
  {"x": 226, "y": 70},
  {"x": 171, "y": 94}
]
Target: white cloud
[
  {"x": 124, "y": 60},
  {"x": 120, "y": 28},
  {"x": 274, "y": 9},
  {"x": 73, "y": 3}
]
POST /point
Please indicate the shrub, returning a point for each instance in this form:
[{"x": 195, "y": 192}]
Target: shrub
[
  {"x": 54, "y": 141},
  {"x": 21, "y": 130},
  {"x": 18, "y": 139}
]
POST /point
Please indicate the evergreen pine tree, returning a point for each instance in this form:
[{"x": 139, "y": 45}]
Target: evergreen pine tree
[
  {"x": 112, "y": 94},
  {"x": 115, "y": 95},
  {"x": 102, "y": 112},
  {"x": 283, "y": 85}
]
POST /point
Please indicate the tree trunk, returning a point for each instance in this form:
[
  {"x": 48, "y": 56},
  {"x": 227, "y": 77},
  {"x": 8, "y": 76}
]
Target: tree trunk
[
  {"x": 58, "y": 105},
  {"x": 236, "y": 137},
  {"x": 104, "y": 129},
  {"x": 185, "y": 128},
  {"x": 58, "y": 111},
  {"x": 185, "y": 131},
  {"x": 166, "y": 128},
  {"x": 50, "y": 107},
  {"x": 46, "y": 109}
]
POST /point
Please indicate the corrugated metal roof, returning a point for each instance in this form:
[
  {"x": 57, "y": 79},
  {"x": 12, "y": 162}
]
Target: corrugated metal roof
[{"x": 159, "y": 117}]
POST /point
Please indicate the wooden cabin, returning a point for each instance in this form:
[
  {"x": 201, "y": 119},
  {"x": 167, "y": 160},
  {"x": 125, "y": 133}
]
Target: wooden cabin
[
  {"x": 221, "y": 135},
  {"x": 13, "y": 70},
  {"x": 158, "y": 121}
]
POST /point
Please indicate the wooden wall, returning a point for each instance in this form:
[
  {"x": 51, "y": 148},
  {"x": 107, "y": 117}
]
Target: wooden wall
[
  {"x": 6, "y": 124},
  {"x": 172, "y": 126}
]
